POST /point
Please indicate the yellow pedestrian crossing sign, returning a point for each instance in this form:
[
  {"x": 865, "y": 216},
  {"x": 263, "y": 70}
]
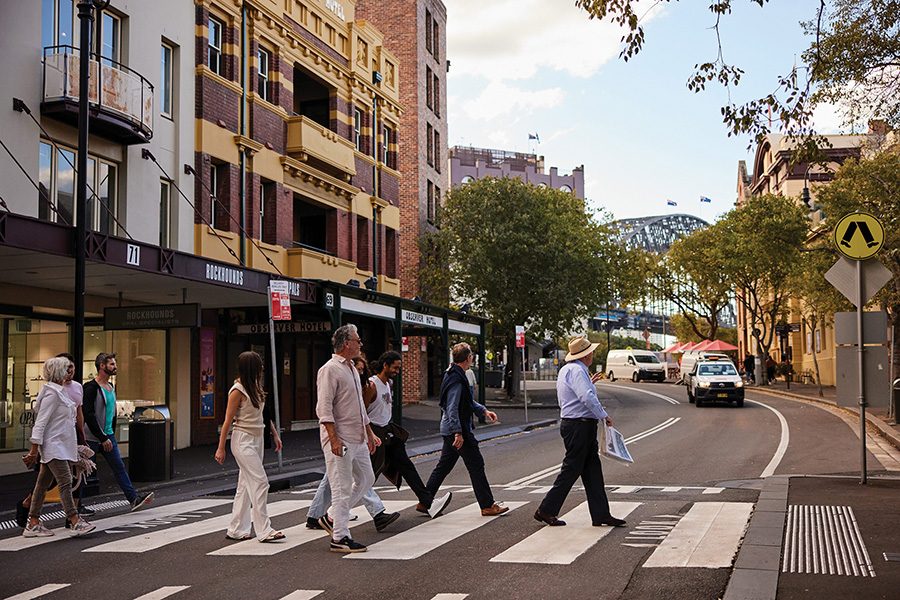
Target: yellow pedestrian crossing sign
[{"x": 859, "y": 236}]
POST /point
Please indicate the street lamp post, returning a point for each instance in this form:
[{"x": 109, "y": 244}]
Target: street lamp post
[{"x": 86, "y": 18}]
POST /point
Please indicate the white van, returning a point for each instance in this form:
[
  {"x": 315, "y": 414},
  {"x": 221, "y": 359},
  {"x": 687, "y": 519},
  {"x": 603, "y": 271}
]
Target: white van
[
  {"x": 636, "y": 365},
  {"x": 690, "y": 358}
]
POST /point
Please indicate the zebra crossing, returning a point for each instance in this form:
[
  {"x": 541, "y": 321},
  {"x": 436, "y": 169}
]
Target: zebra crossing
[
  {"x": 707, "y": 536},
  {"x": 170, "y": 590}
]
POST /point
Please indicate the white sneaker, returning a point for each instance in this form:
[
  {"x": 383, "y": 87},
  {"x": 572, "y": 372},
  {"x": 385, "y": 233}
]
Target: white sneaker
[
  {"x": 38, "y": 530},
  {"x": 81, "y": 527},
  {"x": 439, "y": 504}
]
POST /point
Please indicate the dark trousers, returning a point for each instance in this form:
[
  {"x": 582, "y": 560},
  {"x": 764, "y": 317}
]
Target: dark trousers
[
  {"x": 474, "y": 462},
  {"x": 582, "y": 460},
  {"x": 398, "y": 459},
  {"x": 114, "y": 460}
]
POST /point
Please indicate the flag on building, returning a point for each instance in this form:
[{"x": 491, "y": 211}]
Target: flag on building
[
  {"x": 705, "y": 199},
  {"x": 534, "y": 136},
  {"x": 671, "y": 203}
]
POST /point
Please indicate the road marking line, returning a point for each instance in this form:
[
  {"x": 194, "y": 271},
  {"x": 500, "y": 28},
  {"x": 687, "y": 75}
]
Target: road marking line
[
  {"x": 424, "y": 538},
  {"x": 713, "y": 490},
  {"x": 671, "y": 489},
  {"x": 450, "y": 597},
  {"x": 303, "y": 595},
  {"x": 299, "y": 534},
  {"x": 541, "y": 490},
  {"x": 626, "y": 489},
  {"x": 163, "y": 592},
  {"x": 782, "y": 444},
  {"x": 39, "y": 591},
  {"x": 634, "y": 389},
  {"x": 708, "y": 536},
  {"x": 544, "y": 473},
  {"x": 164, "y": 537},
  {"x": 562, "y": 545},
  {"x": 110, "y": 523}
]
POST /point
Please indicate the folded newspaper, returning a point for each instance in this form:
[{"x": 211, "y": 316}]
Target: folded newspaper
[{"x": 612, "y": 445}]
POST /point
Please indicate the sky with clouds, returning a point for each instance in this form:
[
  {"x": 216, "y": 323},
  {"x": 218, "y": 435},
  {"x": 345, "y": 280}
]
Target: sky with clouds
[{"x": 526, "y": 66}]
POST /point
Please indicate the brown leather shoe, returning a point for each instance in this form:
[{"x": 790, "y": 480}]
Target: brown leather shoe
[
  {"x": 421, "y": 508},
  {"x": 550, "y": 520},
  {"x": 493, "y": 511}
]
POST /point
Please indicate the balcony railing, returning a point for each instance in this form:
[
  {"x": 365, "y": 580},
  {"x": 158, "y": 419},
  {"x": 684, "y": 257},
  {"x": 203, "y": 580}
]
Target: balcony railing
[
  {"x": 121, "y": 99},
  {"x": 307, "y": 139}
]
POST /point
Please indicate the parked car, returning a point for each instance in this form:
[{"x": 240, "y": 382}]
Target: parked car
[
  {"x": 636, "y": 365},
  {"x": 712, "y": 380},
  {"x": 689, "y": 359}
]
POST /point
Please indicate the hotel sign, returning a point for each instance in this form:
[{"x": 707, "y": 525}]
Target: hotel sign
[
  {"x": 422, "y": 319},
  {"x": 158, "y": 316},
  {"x": 285, "y": 327},
  {"x": 335, "y": 7}
]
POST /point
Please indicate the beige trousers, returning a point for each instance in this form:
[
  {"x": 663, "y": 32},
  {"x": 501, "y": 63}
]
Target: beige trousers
[{"x": 252, "y": 487}]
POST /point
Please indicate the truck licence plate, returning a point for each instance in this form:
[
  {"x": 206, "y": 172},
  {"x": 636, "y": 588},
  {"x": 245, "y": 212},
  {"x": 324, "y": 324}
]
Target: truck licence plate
[{"x": 722, "y": 395}]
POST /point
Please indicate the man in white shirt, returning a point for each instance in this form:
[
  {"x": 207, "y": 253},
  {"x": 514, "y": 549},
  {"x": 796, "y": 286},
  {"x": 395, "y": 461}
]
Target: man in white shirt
[{"x": 393, "y": 461}]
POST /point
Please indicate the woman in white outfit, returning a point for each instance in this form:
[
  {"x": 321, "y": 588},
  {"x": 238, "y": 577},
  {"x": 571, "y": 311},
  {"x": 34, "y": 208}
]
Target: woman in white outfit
[
  {"x": 53, "y": 437},
  {"x": 246, "y": 400}
]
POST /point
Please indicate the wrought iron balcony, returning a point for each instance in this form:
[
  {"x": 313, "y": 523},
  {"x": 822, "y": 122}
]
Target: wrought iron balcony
[{"x": 121, "y": 100}]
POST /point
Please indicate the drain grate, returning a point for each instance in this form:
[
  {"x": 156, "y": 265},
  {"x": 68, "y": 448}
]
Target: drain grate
[{"x": 825, "y": 540}]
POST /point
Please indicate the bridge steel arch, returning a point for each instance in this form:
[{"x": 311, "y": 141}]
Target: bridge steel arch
[{"x": 658, "y": 233}]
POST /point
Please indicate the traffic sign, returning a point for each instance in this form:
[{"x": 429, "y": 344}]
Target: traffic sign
[
  {"x": 843, "y": 277},
  {"x": 520, "y": 336},
  {"x": 859, "y": 236},
  {"x": 280, "y": 299}
]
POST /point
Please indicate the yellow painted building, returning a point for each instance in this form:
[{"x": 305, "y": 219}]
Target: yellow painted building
[{"x": 297, "y": 119}]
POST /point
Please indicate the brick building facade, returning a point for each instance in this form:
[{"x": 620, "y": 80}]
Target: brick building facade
[{"x": 415, "y": 30}]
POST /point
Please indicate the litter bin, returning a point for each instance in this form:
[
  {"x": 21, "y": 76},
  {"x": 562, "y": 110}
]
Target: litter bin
[
  {"x": 493, "y": 379},
  {"x": 151, "y": 434}
]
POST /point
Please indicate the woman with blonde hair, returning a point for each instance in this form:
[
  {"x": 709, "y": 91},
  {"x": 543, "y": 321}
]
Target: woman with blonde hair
[
  {"x": 53, "y": 436},
  {"x": 246, "y": 401}
]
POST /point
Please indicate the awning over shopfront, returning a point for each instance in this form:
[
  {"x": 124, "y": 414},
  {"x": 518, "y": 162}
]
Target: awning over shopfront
[{"x": 37, "y": 257}]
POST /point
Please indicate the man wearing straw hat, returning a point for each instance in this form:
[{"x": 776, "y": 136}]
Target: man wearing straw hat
[{"x": 580, "y": 413}]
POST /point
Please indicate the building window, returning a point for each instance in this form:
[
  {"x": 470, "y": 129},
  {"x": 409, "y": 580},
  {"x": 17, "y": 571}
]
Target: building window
[
  {"x": 165, "y": 213},
  {"x": 429, "y": 209},
  {"x": 108, "y": 41},
  {"x": 357, "y": 129},
  {"x": 213, "y": 193},
  {"x": 565, "y": 188},
  {"x": 467, "y": 179},
  {"x": 437, "y": 151},
  {"x": 818, "y": 340},
  {"x": 429, "y": 90},
  {"x": 57, "y": 181},
  {"x": 57, "y": 23},
  {"x": 429, "y": 22},
  {"x": 437, "y": 203},
  {"x": 385, "y": 143},
  {"x": 262, "y": 74},
  {"x": 165, "y": 80},
  {"x": 215, "y": 45},
  {"x": 429, "y": 142},
  {"x": 436, "y": 41},
  {"x": 437, "y": 95},
  {"x": 267, "y": 211}
]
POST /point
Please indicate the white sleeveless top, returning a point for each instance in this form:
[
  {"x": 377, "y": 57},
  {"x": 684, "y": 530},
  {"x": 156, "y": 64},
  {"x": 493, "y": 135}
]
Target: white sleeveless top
[{"x": 247, "y": 418}]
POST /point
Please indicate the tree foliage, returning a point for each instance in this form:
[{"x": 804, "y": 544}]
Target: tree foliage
[
  {"x": 522, "y": 255},
  {"x": 873, "y": 185},
  {"x": 852, "y": 60},
  {"x": 684, "y": 330},
  {"x": 691, "y": 277},
  {"x": 761, "y": 242}
]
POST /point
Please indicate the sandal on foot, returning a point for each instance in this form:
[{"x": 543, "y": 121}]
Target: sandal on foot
[{"x": 273, "y": 537}]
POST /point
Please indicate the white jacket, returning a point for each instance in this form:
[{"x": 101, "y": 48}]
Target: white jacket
[{"x": 54, "y": 429}]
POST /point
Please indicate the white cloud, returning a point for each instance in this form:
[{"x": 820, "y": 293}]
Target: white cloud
[
  {"x": 499, "y": 98},
  {"x": 516, "y": 39}
]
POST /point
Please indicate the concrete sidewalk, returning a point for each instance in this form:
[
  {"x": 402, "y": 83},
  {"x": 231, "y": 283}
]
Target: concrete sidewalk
[{"x": 302, "y": 458}]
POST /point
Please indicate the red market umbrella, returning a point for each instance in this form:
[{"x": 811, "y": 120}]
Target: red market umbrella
[
  {"x": 688, "y": 346},
  {"x": 719, "y": 346},
  {"x": 673, "y": 348},
  {"x": 704, "y": 345}
]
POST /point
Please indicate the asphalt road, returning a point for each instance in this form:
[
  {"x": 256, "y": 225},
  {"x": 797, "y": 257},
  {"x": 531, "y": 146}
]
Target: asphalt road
[{"x": 686, "y": 499}]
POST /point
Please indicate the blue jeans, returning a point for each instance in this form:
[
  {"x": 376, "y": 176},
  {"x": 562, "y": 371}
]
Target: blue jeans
[
  {"x": 322, "y": 500},
  {"x": 114, "y": 460}
]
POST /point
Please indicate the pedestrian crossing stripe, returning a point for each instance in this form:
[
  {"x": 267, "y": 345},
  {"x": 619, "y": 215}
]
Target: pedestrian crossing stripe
[
  {"x": 424, "y": 538},
  {"x": 613, "y": 489},
  {"x": 163, "y": 592},
  {"x": 39, "y": 591},
  {"x": 708, "y": 536},
  {"x": 299, "y": 534},
  {"x": 302, "y": 595},
  {"x": 157, "y": 512},
  {"x": 562, "y": 545},
  {"x": 451, "y": 597},
  {"x": 180, "y": 533}
]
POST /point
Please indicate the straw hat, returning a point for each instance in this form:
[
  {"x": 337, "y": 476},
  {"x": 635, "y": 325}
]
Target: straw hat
[{"x": 579, "y": 347}]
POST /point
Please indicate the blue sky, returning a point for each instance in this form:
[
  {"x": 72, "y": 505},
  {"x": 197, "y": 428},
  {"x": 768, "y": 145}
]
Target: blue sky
[{"x": 520, "y": 66}]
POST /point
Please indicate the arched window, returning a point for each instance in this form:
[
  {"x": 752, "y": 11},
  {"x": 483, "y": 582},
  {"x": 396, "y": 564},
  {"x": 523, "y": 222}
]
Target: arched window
[
  {"x": 566, "y": 189},
  {"x": 467, "y": 179}
]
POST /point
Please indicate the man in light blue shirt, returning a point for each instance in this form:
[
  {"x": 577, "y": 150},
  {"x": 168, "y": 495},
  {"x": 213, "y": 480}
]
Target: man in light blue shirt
[{"x": 580, "y": 413}]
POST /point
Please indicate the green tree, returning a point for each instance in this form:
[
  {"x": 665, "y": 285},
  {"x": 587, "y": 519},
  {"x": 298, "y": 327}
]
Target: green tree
[
  {"x": 851, "y": 61},
  {"x": 690, "y": 276},
  {"x": 522, "y": 255},
  {"x": 818, "y": 299},
  {"x": 873, "y": 185},
  {"x": 760, "y": 244}
]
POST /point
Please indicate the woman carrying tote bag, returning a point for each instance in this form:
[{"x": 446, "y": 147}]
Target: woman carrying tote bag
[
  {"x": 54, "y": 437},
  {"x": 246, "y": 400}
]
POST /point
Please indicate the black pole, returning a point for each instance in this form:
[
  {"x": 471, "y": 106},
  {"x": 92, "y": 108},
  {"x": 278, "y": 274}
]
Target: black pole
[
  {"x": 375, "y": 186},
  {"x": 86, "y": 16}
]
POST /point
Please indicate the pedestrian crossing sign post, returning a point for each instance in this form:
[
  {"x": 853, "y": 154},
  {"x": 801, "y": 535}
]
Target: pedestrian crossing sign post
[{"x": 859, "y": 236}]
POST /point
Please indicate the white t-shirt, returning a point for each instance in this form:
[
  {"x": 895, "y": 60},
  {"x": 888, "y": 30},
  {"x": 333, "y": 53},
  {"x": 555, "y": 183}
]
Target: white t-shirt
[{"x": 381, "y": 409}]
